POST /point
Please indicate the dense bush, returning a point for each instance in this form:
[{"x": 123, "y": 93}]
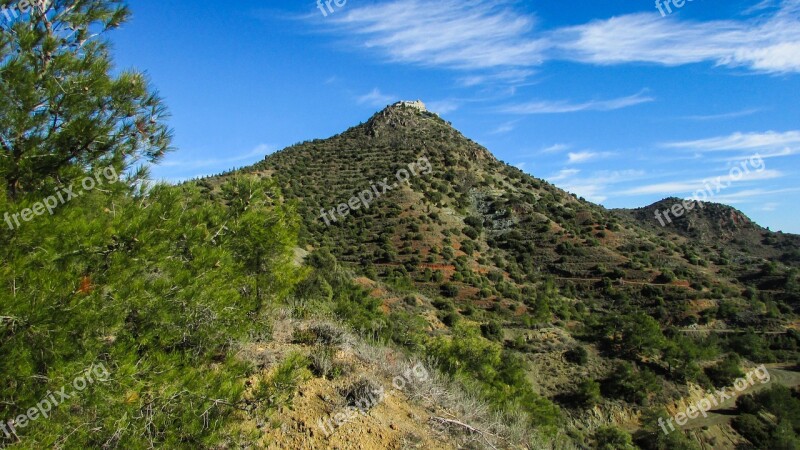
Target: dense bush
[
  {"x": 612, "y": 438},
  {"x": 726, "y": 371},
  {"x": 631, "y": 384},
  {"x": 780, "y": 427},
  {"x": 588, "y": 393},
  {"x": 500, "y": 374},
  {"x": 158, "y": 290},
  {"x": 449, "y": 290},
  {"x": 630, "y": 336},
  {"x": 492, "y": 331},
  {"x": 653, "y": 436},
  {"x": 577, "y": 355}
]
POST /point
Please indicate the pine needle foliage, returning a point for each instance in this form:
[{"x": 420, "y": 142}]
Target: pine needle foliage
[{"x": 170, "y": 294}]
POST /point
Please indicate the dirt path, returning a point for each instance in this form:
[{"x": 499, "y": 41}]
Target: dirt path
[
  {"x": 727, "y": 331},
  {"x": 726, "y": 410},
  {"x": 682, "y": 285}
]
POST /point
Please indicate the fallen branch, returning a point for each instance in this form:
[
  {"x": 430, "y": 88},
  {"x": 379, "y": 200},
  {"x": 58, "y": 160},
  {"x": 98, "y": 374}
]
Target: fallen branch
[{"x": 469, "y": 428}]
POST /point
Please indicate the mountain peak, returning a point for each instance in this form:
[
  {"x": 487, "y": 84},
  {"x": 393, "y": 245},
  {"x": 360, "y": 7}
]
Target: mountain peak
[
  {"x": 403, "y": 116},
  {"x": 704, "y": 221},
  {"x": 416, "y": 104}
]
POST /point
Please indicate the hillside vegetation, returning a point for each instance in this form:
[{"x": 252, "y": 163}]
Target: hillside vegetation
[
  {"x": 602, "y": 310},
  {"x": 465, "y": 304}
]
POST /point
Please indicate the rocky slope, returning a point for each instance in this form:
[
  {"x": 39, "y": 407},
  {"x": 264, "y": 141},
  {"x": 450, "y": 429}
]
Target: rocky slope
[{"x": 442, "y": 232}]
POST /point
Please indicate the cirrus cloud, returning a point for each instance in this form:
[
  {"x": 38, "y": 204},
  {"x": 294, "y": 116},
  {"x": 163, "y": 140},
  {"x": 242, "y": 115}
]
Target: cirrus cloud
[
  {"x": 471, "y": 34},
  {"x": 560, "y": 107},
  {"x": 482, "y": 34},
  {"x": 743, "y": 141}
]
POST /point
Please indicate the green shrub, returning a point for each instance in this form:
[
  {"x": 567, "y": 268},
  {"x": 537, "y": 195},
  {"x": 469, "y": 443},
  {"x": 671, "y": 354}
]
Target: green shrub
[
  {"x": 492, "y": 331},
  {"x": 500, "y": 375},
  {"x": 156, "y": 288},
  {"x": 471, "y": 233},
  {"x": 577, "y": 355},
  {"x": 588, "y": 393},
  {"x": 631, "y": 384},
  {"x": 450, "y": 319},
  {"x": 752, "y": 428},
  {"x": 725, "y": 372},
  {"x": 771, "y": 418},
  {"x": 474, "y": 222},
  {"x": 278, "y": 388},
  {"x": 612, "y": 438},
  {"x": 449, "y": 290},
  {"x": 322, "y": 362}
]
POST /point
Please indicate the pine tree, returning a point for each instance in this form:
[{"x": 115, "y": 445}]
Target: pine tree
[{"x": 63, "y": 112}]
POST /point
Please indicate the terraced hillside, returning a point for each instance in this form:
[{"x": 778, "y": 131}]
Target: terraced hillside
[
  {"x": 492, "y": 226},
  {"x": 586, "y": 298}
]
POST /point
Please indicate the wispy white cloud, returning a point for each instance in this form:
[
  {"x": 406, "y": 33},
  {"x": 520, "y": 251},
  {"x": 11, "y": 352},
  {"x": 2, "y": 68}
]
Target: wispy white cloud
[
  {"x": 444, "y": 106},
  {"x": 596, "y": 185},
  {"x": 618, "y": 176},
  {"x": 750, "y": 195},
  {"x": 723, "y": 116},
  {"x": 564, "y": 174},
  {"x": 592, "y": 192},
  {"x": 742, "y": 141},
  {"x": 555, "y": 148},
  {"x": 766, "y": 43},
  {"x": 678, "y": 187},
  {"x": 461, "y": 34},
  {"x": 498, "y": 39},
  {"x": 376, "y": 98},
  {"x": 561, "y": 106},
  {"x": 762, "y": 154},
  {"x": 506, "y": 127},
  {"x": 508, "y": 76},
  {"x": 770, "y": 206},
  {"x": 600, "y": 177},
  {"x": 760, "y": 6},
  {"x": 586, "y": 156},
  {"x": 579, "y": 157}
]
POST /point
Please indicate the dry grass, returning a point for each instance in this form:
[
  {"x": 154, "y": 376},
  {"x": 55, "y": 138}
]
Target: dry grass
[
  {"x": 451, "y": 401},
  {"x": 454, "y": 414}
]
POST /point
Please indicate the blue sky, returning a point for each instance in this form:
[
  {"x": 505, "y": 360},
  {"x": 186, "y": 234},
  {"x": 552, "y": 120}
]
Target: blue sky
[{"x": 613, "y": 101}]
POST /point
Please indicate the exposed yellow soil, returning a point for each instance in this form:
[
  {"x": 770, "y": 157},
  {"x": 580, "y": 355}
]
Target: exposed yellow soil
[
  {"x": 393, "y": 424},
  {"x": 310, "y": 419}
]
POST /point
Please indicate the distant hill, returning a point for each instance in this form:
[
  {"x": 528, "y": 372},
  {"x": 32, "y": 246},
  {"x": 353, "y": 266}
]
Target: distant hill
[
  {"x": 461, "y": 239},
  {"x": 507, "y": 221},
  {"x": 721, "y": 228},
  {"x": 704, "y": 220}
]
